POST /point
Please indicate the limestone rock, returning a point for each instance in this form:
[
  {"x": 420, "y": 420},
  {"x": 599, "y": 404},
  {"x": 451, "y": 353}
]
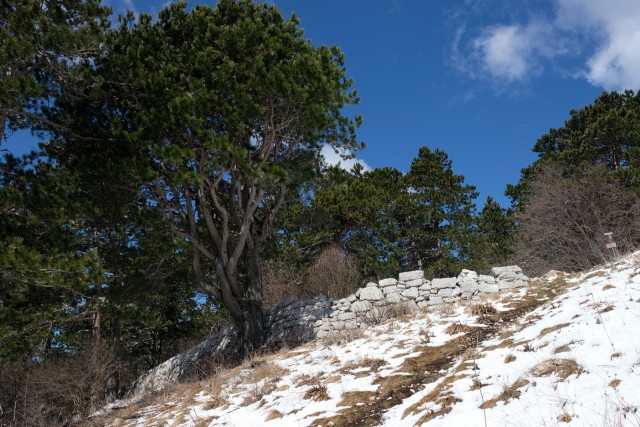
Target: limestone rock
[
  {"x": 443, "y": 283},
  {"x": 467, "y": 275},
  {"x": 510, "y": 269},
  {"x": 411, "y": 275},
  {"x": 469, "y": 286},
  {"x": 414, "y": 283},
  {"x": 486, "y": 279},
  {"x": 488, "y": 288},
  {"x": 371, "y": 294},
  {"x": 387, "y": 282},
  {"x": 435, "y": 300},
  {"x": 346, "y": 316},
  {"x": 393, "y": 298},
  {"x": 411, "y": 293},
  {"x": 425, "y": 286},
  {"x": 360, "y": 306}
]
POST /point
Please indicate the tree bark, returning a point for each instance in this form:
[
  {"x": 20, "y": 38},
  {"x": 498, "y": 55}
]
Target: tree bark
[
  {"x": 251, "y": 326},
  {"x": 113, "y": 378},
  {"x": 97, "y": 389}
]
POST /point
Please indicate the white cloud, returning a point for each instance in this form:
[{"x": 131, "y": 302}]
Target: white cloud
[
  {"x": 510, "y": 53},
  {"x": 505, "y": 51},
  {"x": 333, "y": 158},
  {"x": 602, "y": 35},
  {"x": 615, "y": 27}
]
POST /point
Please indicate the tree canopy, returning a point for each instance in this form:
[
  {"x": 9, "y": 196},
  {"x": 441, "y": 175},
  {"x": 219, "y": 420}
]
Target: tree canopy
[{"x": 226, "y": 110}]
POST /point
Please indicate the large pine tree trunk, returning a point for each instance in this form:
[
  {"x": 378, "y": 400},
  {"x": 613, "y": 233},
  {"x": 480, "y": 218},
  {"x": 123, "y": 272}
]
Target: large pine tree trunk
[
  {"x": 97, "y": 386},
  {"x": 113, "y": 374},
  {"x": 251, "y": 326}
]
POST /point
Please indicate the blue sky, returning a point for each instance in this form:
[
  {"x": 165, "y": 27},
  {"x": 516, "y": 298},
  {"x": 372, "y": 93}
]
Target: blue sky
[{"x": 479, "y": 79}]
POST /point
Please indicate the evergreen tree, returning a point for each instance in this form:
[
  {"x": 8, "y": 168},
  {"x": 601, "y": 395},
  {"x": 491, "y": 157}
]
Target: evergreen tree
[
  {"x": 493, "y": 236},
  {"x": 605, "y": 133},
  {"x": 221, "y": 111},
  {"x": 41, "y": 42},
  {"x": 439, "y": 214}
]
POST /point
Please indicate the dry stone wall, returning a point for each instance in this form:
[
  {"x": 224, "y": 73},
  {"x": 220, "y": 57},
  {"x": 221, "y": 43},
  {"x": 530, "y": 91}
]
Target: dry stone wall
[{"x": 300, "y": 321}]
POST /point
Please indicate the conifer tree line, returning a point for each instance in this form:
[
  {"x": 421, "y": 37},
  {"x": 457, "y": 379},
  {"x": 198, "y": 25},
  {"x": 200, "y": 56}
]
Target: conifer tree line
[{"x": 178, "y": 188}]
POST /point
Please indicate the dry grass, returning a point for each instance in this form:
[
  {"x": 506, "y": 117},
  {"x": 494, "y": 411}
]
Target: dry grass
[
  {"x": 599, "y": 273},
  {"x": 365, "y": 362},
  {"x": 615, "y": 383},
  {"x": 274, "y": 414},
  {"x": 564, "y": 418},
  {"x": 562, "y": 349},
  {"x": 265, "y": 370},
  {"x": 607, "y": 287},
  {"x": 509, "y": 358},
  {"x": 317, "y": 392},
  {"x": 344, "y": 336},
  {"x": 257, "y": 391},
  {"x": 483, "y": 309},
  {"x": 367, "y": 408},
  {"x": 306, "y": 380},
  {"x": 215, "y": 402},
  {"x": 509, "y": 393},
  {"x": 333, "y": 379},
  {"x": 550, "y": 329},
  {"x": 505, "y": 343},
  {"x": 459, "y": 328},
  {"x": 563, "y": 368},
  {"x": 608, "y": 308}
]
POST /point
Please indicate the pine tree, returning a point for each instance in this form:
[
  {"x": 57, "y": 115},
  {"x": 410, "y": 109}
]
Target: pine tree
[{"x": 439, "y": 214}]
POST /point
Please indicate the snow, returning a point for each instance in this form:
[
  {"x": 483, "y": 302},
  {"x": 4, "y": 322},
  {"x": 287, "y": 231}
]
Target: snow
[{"x": 575, "y": 362}]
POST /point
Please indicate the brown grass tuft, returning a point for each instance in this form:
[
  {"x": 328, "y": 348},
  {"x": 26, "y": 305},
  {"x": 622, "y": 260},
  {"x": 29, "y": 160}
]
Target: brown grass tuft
[
  {"x": 257, "y": 391},
  {"x": 274, "y": 414},
  {"x": 344, "y": 336},
  {"x": 483, "y": 309},
  {"x": 305, "y": 380},
  {"x": 563, "y": 368},
  {"x": 458, "y": 328},
  {"x": 528, "y": 348},
  {"x": 565, "y": 418},
  {"x": 509, "y": 358},
  {"x": 615, "y": 383},
  {"x": 607, "y": 309},
  {"x": 317, "y": 392},
  {"x": 266, "y": 370},
  {"x": 550, "y": 329},
  {"x": 509, "y": 393}
]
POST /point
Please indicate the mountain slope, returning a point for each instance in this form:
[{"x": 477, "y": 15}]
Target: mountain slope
[{"x": 563, "y": 351}]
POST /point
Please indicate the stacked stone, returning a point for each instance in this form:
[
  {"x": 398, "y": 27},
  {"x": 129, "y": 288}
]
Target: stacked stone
[
  {"x": 293, "y": 320},
  {"x": 509, "y": 277},
  {"x": 300, "y": 321}
]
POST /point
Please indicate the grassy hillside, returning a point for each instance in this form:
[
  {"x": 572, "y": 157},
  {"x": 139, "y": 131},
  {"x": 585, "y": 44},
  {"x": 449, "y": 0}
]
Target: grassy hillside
[{"x": 564, "y": 351}]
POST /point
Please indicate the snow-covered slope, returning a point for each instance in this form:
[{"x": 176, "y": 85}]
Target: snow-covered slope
[{"x": 564, "y": 351}]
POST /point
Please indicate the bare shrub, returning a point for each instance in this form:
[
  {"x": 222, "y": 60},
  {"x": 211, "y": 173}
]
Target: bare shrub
[
  {"x": 566, "y": 215},
  {"x": 333, "y": 274},
  {"x": 343, "y": 336},
  {"x": 279, "y": 281},
  {"x": 53, "y": 391},
  {"x": 257, "y": 391}
]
